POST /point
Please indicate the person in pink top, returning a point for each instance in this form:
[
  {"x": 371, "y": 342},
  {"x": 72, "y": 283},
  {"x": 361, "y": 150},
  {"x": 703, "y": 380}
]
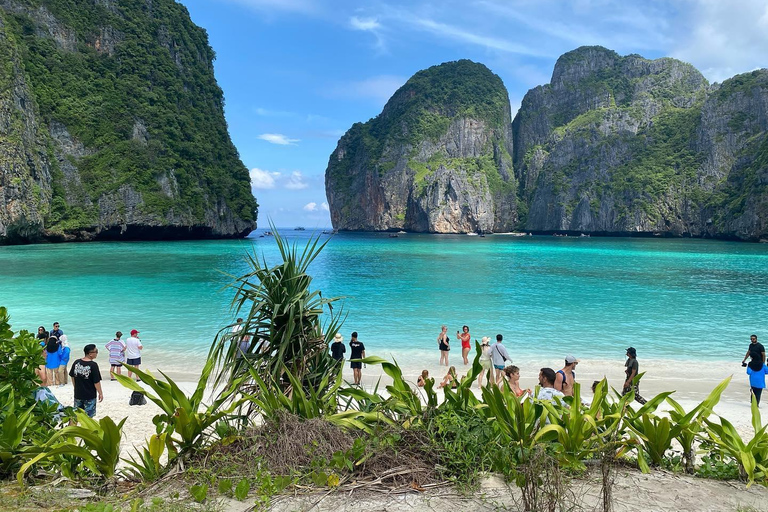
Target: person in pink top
[
  {"x": 116, "y": 349},
  {"x": 133, "y": 349}
]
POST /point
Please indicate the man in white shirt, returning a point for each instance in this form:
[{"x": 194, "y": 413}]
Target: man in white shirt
[
  {"x": 133, "y": 348},
  {"x": 547, "y": 383},
  {"x": 499, "y": 357}
]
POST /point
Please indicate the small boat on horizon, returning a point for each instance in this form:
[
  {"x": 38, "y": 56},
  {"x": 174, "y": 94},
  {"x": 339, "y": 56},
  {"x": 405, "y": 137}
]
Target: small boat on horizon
[{"x": 298, "y": 228}]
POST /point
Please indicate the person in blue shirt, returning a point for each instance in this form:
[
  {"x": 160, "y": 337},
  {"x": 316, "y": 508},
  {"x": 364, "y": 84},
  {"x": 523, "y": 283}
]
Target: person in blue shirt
[
  {"x": 756, "y": 371},
  {"x": 64, "y": 351},
  {"x": 52, "y": 359}
]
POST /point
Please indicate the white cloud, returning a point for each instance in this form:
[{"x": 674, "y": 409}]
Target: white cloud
[
  {"x": 278, "y": 138},
  {"x": 365, "y": 24},
  {"x": 722, "y": 39},
  {"x": 380, "y": 88},
  {"x": 265, "y": 112},
  {"x": 261, "y": 179},
  {"x": 310, "y": 207},
  {"x": 459, "y": 34},
  {"x": 296, "y": 181},
  {"x": 324, "y": 207}
]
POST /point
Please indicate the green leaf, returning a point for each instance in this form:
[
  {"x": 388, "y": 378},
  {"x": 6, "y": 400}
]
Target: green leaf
[
  {"x": 199, "y": 492},
  {"x": 242, "y": 489}
]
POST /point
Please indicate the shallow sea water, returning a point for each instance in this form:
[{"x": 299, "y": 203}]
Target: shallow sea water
[{"x": 673, "y": 299}]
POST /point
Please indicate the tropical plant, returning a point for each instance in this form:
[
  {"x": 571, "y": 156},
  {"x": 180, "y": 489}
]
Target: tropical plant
[
  {"x": 13, "y": 431},
  {"x": 752, "y": 456},
  {"x": 182, "y": 419},
  {"x": 146, "y": 464},
  {"x": 692, "y": 423},
  {"x": 283, "y": 323},
  {"x": 94, "y": 445}
]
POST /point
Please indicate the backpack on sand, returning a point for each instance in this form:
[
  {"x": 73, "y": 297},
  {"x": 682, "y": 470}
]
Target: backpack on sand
[{"x": 137, "y": 399}]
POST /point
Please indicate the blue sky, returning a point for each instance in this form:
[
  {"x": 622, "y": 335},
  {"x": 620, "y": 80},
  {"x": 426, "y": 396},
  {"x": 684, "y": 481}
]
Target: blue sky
[{"x": 297, "y": 74}]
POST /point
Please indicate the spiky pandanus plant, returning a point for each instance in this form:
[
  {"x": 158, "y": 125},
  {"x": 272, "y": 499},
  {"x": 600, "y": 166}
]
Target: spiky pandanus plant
[{"x": 282, "y": 320}]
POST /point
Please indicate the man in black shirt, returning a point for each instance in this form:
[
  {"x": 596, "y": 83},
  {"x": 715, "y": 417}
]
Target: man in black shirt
[
  {"x": 337, "y": 347},
  {"x": 632, "y": 369},
  {"x": 357, "y": 351},
  {"x": 86, "y": 378},
  {"x": 755, "y": 351}
]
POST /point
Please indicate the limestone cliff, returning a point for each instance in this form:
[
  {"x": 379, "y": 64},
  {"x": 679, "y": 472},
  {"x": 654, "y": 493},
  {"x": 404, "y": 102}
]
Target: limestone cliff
[
  {"x": 437, "y": 159},
  {"x": 112, "y": 126},
  {"x": 612, "y": 145}
]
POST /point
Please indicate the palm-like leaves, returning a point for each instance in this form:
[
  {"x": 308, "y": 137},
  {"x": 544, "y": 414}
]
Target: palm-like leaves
[{"x": 283, "y": 322}]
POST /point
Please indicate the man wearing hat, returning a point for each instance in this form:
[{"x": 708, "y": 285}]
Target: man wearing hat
[
  {"x": 133, "y": 349},
  {"x": 632, "y": 369},
  {"x": 565, "y": 378},
  {"x": 337, "y": 347}
]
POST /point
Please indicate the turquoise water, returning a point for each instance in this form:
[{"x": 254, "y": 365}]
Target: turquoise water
[{"x": 672, "y": 299}]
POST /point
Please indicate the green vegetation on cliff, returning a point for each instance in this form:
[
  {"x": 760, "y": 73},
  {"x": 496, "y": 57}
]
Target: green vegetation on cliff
[{"x": 133, "y": 82}]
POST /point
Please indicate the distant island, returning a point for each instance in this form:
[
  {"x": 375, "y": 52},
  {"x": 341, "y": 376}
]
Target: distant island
[
  {"x": 613, "y": 145},
  {"x": 112, "y": 126}
]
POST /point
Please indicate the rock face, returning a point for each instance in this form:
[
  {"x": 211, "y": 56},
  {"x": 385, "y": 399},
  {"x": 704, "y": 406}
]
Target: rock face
[
  {"x": 437, "y": 159},
  {"x": 112, "y": 126},
  {"x": 612, "y": 145}
]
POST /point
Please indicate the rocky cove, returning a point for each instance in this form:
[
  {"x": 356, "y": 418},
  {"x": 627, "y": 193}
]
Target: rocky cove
[{"x": 613, "y": 145}]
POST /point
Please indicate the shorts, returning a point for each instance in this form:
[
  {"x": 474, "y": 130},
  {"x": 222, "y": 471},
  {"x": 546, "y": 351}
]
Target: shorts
[
  {"x": 134, "y": 362},
  {"x": 499, "y": 366},
  {"x": 356, "y": 366},
  {"x": 115, "y": 365},
  {"x": 89, "y": 406},
  {"x": 61, "y": 374}
]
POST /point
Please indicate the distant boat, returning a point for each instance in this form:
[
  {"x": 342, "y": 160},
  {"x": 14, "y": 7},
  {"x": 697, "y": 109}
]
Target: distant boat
[
  {"x": 471, "y": 234},
  {"x": 401, "y": 232},
  {"x": 298, "y": 228}
]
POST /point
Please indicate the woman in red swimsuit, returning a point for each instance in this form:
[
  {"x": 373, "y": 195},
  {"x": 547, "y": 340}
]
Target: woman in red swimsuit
[{"x": 465, "y": 346}]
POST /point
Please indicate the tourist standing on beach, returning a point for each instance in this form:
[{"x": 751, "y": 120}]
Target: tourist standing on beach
[
  {"x": 632, "y": 369},
  {"x": 52, "y": 359},
  {"x": 133, "y": 348},
  {"x": 755, "y": 351},
  {"x": 86, "y": 379},
  {"x": 42, "y": 335},
  {"x": 116, "y": 348},
  {"x": 58, "y": 333},
  {"x": 756, "y": 379},
  {"x": 465, "y": 338},
  {"x": 565, "y": 378},
  {"x": 444, "y": 344},
  {"x": 337, "y": 347},
  {"x": 243, "y": 340},
  {"x": 485, "y": 360},
  {"x": 547, "y": 390},
  {"x": 356, "y": 351},
  {"x": 499, "y": 356},
  {"x": 64, "y": 352}
]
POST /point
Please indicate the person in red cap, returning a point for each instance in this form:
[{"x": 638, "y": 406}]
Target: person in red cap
[{"x": 133, "y": 348}]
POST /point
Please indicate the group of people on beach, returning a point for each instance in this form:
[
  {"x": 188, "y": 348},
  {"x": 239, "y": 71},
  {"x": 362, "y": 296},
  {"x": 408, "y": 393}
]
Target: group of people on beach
[
  {"x": 496, "y": 363},
  {"x": 496, "y": 357},
  {"x": 85, "y": 372}
]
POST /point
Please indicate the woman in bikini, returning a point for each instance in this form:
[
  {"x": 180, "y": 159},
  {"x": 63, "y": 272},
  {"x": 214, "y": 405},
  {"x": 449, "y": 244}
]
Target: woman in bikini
[
  {"x": 512, "y": 376},
  {"x": 422, "y": 380},
  {"x": 450, "y": 378},
  {"x": 444, "y": 343},
  {"x": 464, "y": 337}
]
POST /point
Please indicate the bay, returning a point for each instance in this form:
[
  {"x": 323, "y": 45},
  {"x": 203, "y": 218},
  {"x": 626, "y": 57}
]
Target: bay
[{"x": 674, "y": 299}]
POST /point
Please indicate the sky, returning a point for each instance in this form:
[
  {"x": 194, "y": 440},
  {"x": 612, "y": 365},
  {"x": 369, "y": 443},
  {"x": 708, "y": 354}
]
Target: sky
[{"x": 296, "y": 74}]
